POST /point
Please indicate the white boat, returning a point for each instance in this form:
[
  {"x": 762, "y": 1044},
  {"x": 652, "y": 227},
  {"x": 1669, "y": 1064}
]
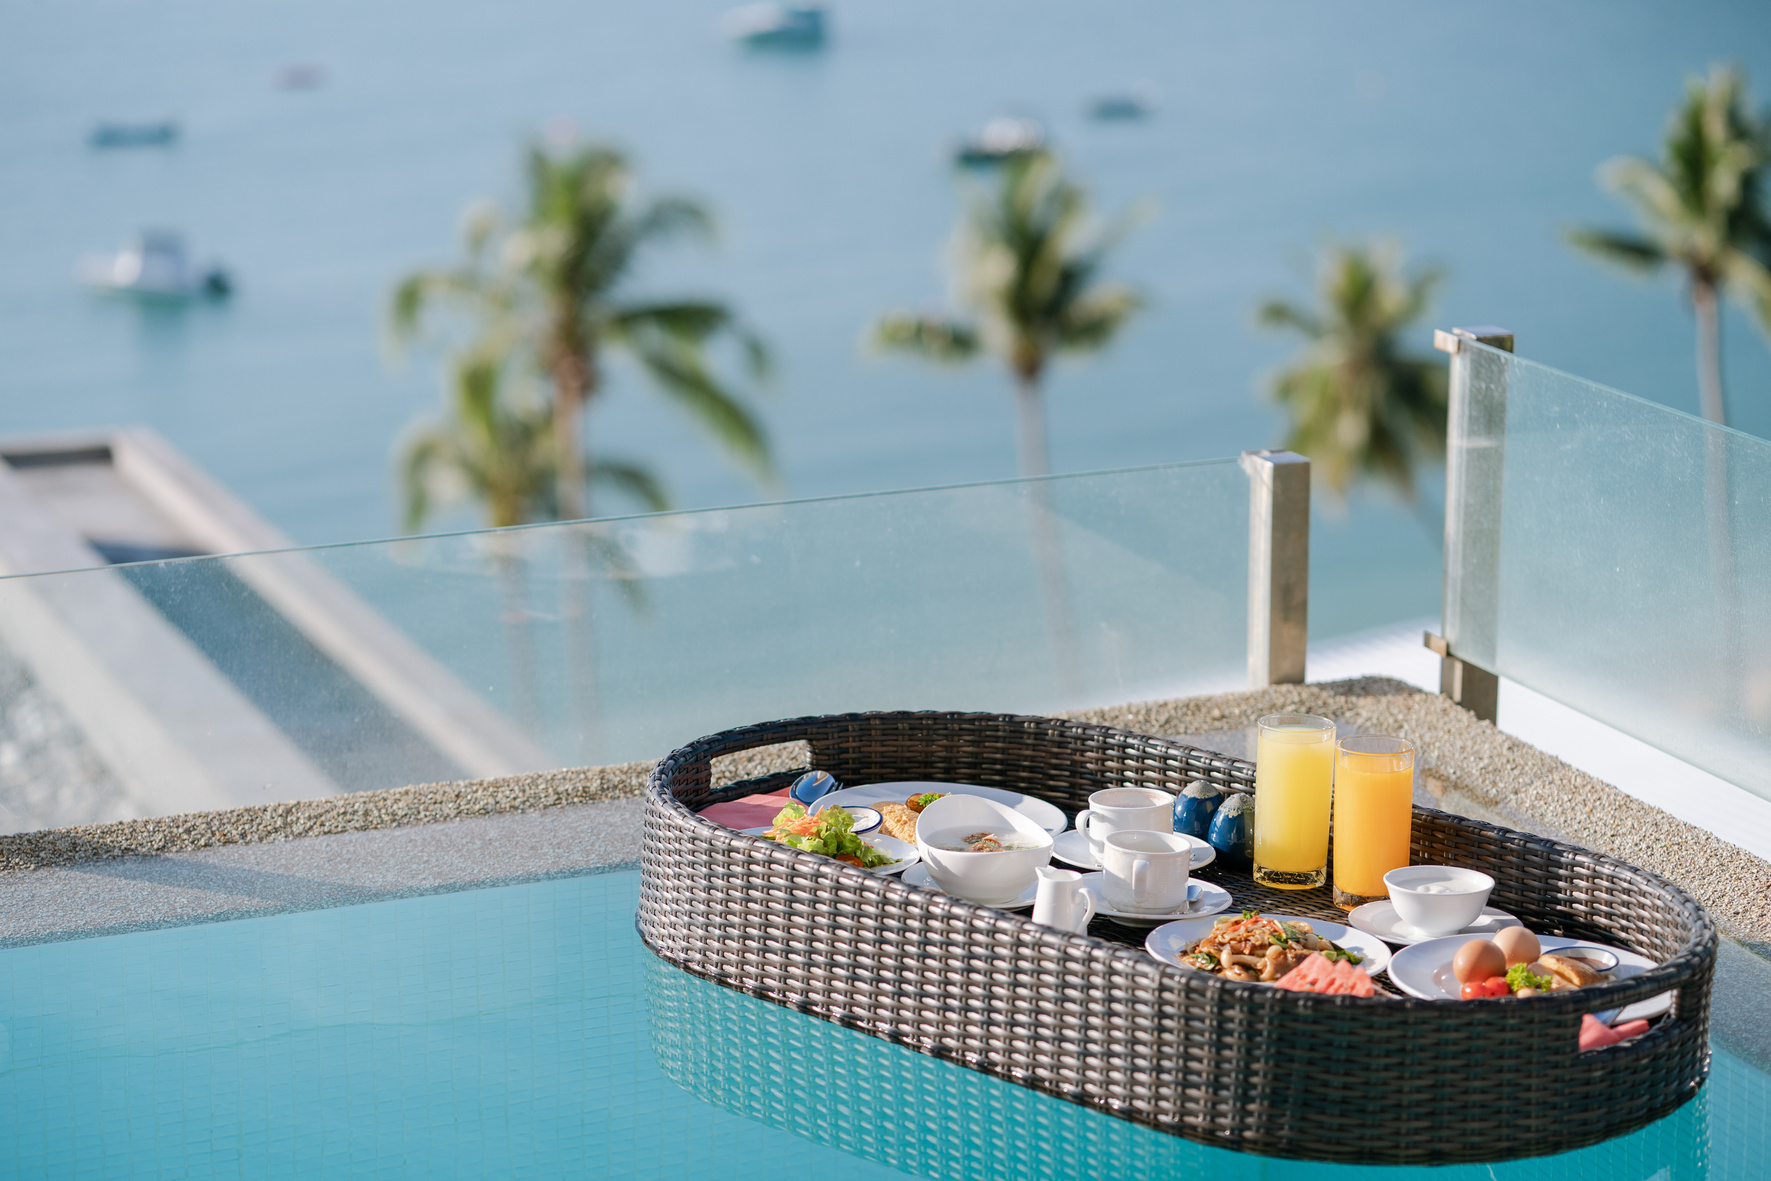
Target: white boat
[
  {"x": 154, "y": 265},
  {"x": 765, "y": 24},
  {"x": 1002, "y": 139}
]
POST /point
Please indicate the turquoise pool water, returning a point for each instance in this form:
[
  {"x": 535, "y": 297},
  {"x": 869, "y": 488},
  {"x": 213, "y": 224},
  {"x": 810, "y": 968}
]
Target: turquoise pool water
[{"x": 523, "y": 1031}]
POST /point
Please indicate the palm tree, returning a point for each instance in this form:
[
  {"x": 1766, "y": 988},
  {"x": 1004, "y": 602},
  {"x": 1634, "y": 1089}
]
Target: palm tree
[
  {"x": 1026, "y": 261},
  {"x": 547, "y": 298},
  {"x": 499, "y": 449},
  {"x": 553, "y": 287},
  {"x": 495, "y": 448},
  {"x": 1701, "y": 211},
  {"x": 1026, "y": 264},
  {"x": 1359, "y": 405}
]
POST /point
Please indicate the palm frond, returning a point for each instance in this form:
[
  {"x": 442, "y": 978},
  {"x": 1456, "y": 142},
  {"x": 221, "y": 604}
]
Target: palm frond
[
  {"x": 671, "y": 217},
  {"x": 1090, "y": 321},
  {"x": 422, "y": 452},
  {"x": 1654, "y": 194},
  {"x": 931, "y": 337},
  {"x": 680, "y": 375},
  {"x": 419, "y": 291},
  {"x": 759, "y": 362},
  {"x": 494, "y": 445},
  {"x": 1750, "y": 281},
  {"x": 636, "y": 480},
  {"x": 1633, "y": 252},
  {"x": 1279, "y": 313},
  {"x": 690, "y": 321}
]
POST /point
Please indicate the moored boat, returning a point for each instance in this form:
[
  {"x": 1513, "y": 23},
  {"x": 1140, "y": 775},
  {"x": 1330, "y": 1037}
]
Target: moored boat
[
  {"x": 772, "y": 24},
  {"x": 154, "y": 265},
  {"x": 1002, "y": 139},
  {"x": 155, "y": 134}
]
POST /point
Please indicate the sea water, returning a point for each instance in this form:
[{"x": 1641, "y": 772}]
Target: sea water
[{"x": 1277, "y": 125}]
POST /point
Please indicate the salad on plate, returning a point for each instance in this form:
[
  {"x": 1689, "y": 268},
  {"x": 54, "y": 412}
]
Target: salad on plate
[{"x": 828, "y": 831}]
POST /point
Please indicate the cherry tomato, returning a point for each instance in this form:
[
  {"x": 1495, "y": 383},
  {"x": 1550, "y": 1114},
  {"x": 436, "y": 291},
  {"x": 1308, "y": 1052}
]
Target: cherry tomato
[
  {"x": 1496, "y": 986},
  {"x": 1473, "y": 991}
]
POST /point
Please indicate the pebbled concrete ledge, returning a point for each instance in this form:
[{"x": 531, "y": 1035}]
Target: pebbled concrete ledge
[{"x": 112, "y": 895}]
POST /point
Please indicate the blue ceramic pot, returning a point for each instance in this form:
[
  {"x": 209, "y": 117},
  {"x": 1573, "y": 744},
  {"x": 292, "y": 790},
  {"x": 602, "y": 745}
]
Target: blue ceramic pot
[
  {"x": 1232, "y": 831},
  {"x": 1195, "y": 808}
]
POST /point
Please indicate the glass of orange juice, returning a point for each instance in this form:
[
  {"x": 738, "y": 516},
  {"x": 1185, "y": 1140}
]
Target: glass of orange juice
[
  {"x": 1293, "y": 784},
  {"x": 1373, "y": 815}
]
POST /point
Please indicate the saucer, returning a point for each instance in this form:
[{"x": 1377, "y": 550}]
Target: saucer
[
  {"x": 1380, "y": 918},
  {"x": 1072, "y": 849},
  {"x": 918, "y": 875},
  {"x": 1203, "y": 898}
]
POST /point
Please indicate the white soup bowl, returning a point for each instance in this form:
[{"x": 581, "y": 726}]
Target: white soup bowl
[
  {"x": 989, "y": 878},
  {"x": 1438, "y": 899}
]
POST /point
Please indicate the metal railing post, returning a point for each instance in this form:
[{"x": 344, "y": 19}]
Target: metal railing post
[
  {"x": 1475, "y": 442},
  {"x": 1278, "y": 566}
]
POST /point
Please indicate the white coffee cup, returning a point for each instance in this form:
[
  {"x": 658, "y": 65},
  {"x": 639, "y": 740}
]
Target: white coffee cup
[
  {"x": 1118, "y": 809},
  {"x": 1146, "y": 871},
  {"x": 1061, "y": 902}
]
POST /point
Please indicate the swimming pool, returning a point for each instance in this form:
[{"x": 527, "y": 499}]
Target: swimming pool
[{"x": 524, "y": 1031}]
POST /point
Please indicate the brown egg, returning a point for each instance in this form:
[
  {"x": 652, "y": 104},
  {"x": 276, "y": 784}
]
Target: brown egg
[
  {"x": 1518, "y": 945},
  {"x": 1478, "y": 960}
]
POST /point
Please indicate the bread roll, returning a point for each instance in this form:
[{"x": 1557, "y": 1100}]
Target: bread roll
[
  {"x": 897, "y": 820},
  {"x": 1573, "y": 971}
]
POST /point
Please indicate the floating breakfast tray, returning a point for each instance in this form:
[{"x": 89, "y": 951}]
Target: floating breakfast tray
[{"x": 1093, "y": 1019}]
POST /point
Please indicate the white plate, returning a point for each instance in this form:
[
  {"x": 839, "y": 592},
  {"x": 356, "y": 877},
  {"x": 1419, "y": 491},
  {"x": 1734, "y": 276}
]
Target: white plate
[
  {"x": 1072, "y": 848},
  {"x": 918, "y": 875},
  {"x": 1380, "y": 918},
  {"x": 906, "y": 854},
  {"x": 1211, "y": 899},
  {"x": 1168, "y": 942},
  {"x": 1424, "y": 970},
  {"x": 1048, "y": 816}
]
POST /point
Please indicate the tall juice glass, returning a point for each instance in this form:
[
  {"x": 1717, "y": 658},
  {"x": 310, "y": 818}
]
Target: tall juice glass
[
  {"x": 1373, "y": 815},
  {"x": 1293, "y": 784}
]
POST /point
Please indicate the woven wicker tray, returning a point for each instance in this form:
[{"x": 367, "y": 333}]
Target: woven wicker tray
[{"x": 1093, "y": 1019}]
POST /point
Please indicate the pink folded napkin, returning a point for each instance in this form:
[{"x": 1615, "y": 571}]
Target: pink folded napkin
[{"x": 749, "y": 812}]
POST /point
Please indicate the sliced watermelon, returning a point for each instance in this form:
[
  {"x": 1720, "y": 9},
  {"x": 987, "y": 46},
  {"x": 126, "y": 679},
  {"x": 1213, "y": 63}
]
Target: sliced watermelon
[
  {"x": 1350, "y": 981},
  {"x": 1310, "y": 976},
  {"x": 1317, "y": 974}
]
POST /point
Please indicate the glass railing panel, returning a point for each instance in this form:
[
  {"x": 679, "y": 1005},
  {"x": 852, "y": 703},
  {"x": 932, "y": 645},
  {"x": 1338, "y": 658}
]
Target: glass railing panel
[
  {"x": 1625, "y": 569},
  {"x": 241, "y": 679}
]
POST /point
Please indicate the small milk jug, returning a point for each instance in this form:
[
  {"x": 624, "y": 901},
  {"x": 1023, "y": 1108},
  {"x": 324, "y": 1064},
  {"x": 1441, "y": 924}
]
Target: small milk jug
[{"x": 1062, "y": 901}]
